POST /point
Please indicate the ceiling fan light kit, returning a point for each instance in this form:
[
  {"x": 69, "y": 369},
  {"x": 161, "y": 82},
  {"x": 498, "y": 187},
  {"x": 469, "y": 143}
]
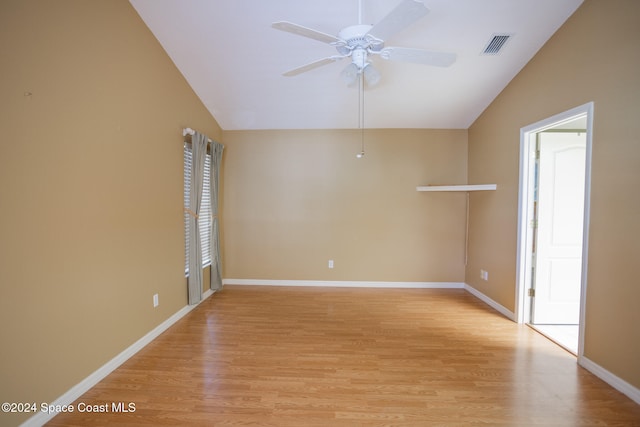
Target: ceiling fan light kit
[{"x": 371, "y": 75}]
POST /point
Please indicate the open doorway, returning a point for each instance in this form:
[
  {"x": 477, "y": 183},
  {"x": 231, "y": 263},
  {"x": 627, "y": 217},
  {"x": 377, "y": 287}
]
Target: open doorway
[{"x": 553, "y": 225}]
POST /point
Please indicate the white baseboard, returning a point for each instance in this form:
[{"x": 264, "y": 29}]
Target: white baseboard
[
  {"x": 83, "y": 386},
  {"x": 346, "y": 284},
  {"x": 499, "y": 307},
  {"x": 614, "y": 381}
]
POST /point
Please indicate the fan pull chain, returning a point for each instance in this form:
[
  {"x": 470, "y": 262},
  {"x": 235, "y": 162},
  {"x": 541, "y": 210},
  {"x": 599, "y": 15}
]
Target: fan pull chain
[
  {"x": 362, "y": 110},
  {"x": 361, "y": 113}
]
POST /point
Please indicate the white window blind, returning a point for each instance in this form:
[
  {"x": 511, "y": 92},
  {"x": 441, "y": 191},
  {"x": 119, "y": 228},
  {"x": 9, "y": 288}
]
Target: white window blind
[{"x": 204, "y": 218}]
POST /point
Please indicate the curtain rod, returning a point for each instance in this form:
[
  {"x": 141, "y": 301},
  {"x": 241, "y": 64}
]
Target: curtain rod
[{"x": 189, "y": 131}]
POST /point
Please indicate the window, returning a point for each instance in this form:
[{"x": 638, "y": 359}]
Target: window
[{"x": 204, "y": 219}]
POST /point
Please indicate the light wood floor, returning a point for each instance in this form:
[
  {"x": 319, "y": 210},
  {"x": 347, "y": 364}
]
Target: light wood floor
[{"x": 270, "y": 356}]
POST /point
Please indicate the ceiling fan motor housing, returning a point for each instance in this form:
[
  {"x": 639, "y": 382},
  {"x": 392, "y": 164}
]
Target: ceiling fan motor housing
[
  {"x": 357, "y": 36},
  {"x": 358, "y": 43}
]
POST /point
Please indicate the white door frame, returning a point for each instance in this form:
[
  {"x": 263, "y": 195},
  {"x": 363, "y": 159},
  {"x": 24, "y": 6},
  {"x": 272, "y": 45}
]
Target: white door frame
[{"x": 525, "y": 234}]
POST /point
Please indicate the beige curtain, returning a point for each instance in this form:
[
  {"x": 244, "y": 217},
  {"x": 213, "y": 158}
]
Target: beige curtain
[
  {"x": 194, "y": 281},
  {"x": 216, "y": 263}
]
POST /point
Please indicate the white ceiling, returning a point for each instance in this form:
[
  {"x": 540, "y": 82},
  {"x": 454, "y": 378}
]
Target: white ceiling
[{"x": 234, "y": 60}]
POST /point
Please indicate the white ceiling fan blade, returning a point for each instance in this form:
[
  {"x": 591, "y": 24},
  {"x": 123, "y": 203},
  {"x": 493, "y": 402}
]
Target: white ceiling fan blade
[
  {"x": 299, "y": 30},
  {"x": 312, "y": 65},
  {"x": 418, "y": 56},
  {"x": 405, "y": 14}
]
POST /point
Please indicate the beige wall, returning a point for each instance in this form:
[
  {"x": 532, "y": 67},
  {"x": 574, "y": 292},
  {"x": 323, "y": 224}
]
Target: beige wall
[
  {"x": 90, "y": 190},
  {"x": 295, "y": 199},
  {"x": 595, "y": 57}
]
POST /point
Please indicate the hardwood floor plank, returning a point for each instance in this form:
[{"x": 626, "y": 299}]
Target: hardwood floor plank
[{"x": 269, "y": 356}]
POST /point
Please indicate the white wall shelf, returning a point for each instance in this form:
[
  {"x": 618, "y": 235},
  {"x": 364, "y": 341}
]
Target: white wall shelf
[{"x": 480, "y": 187}]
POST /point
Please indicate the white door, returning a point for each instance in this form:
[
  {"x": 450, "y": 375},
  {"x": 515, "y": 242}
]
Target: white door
[{"x": 560, "y": 211}]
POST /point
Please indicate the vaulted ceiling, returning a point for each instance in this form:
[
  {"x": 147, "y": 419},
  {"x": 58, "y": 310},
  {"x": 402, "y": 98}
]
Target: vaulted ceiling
[{"x": 234, "y": 60}]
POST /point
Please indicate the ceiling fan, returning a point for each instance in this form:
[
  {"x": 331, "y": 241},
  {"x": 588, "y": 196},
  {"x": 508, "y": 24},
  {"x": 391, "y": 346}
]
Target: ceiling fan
[{"x": 358, "y": 42}]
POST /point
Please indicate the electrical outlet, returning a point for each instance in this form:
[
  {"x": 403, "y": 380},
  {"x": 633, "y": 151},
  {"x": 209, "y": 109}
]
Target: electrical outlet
[
  {"x": 330, "y": 263},
  {"x": 155, "y": 300},
  {"x": 484, "y": 275}
]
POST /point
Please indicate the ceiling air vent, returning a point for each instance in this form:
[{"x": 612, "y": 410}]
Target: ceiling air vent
[{"x": 496, "y": 43}]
